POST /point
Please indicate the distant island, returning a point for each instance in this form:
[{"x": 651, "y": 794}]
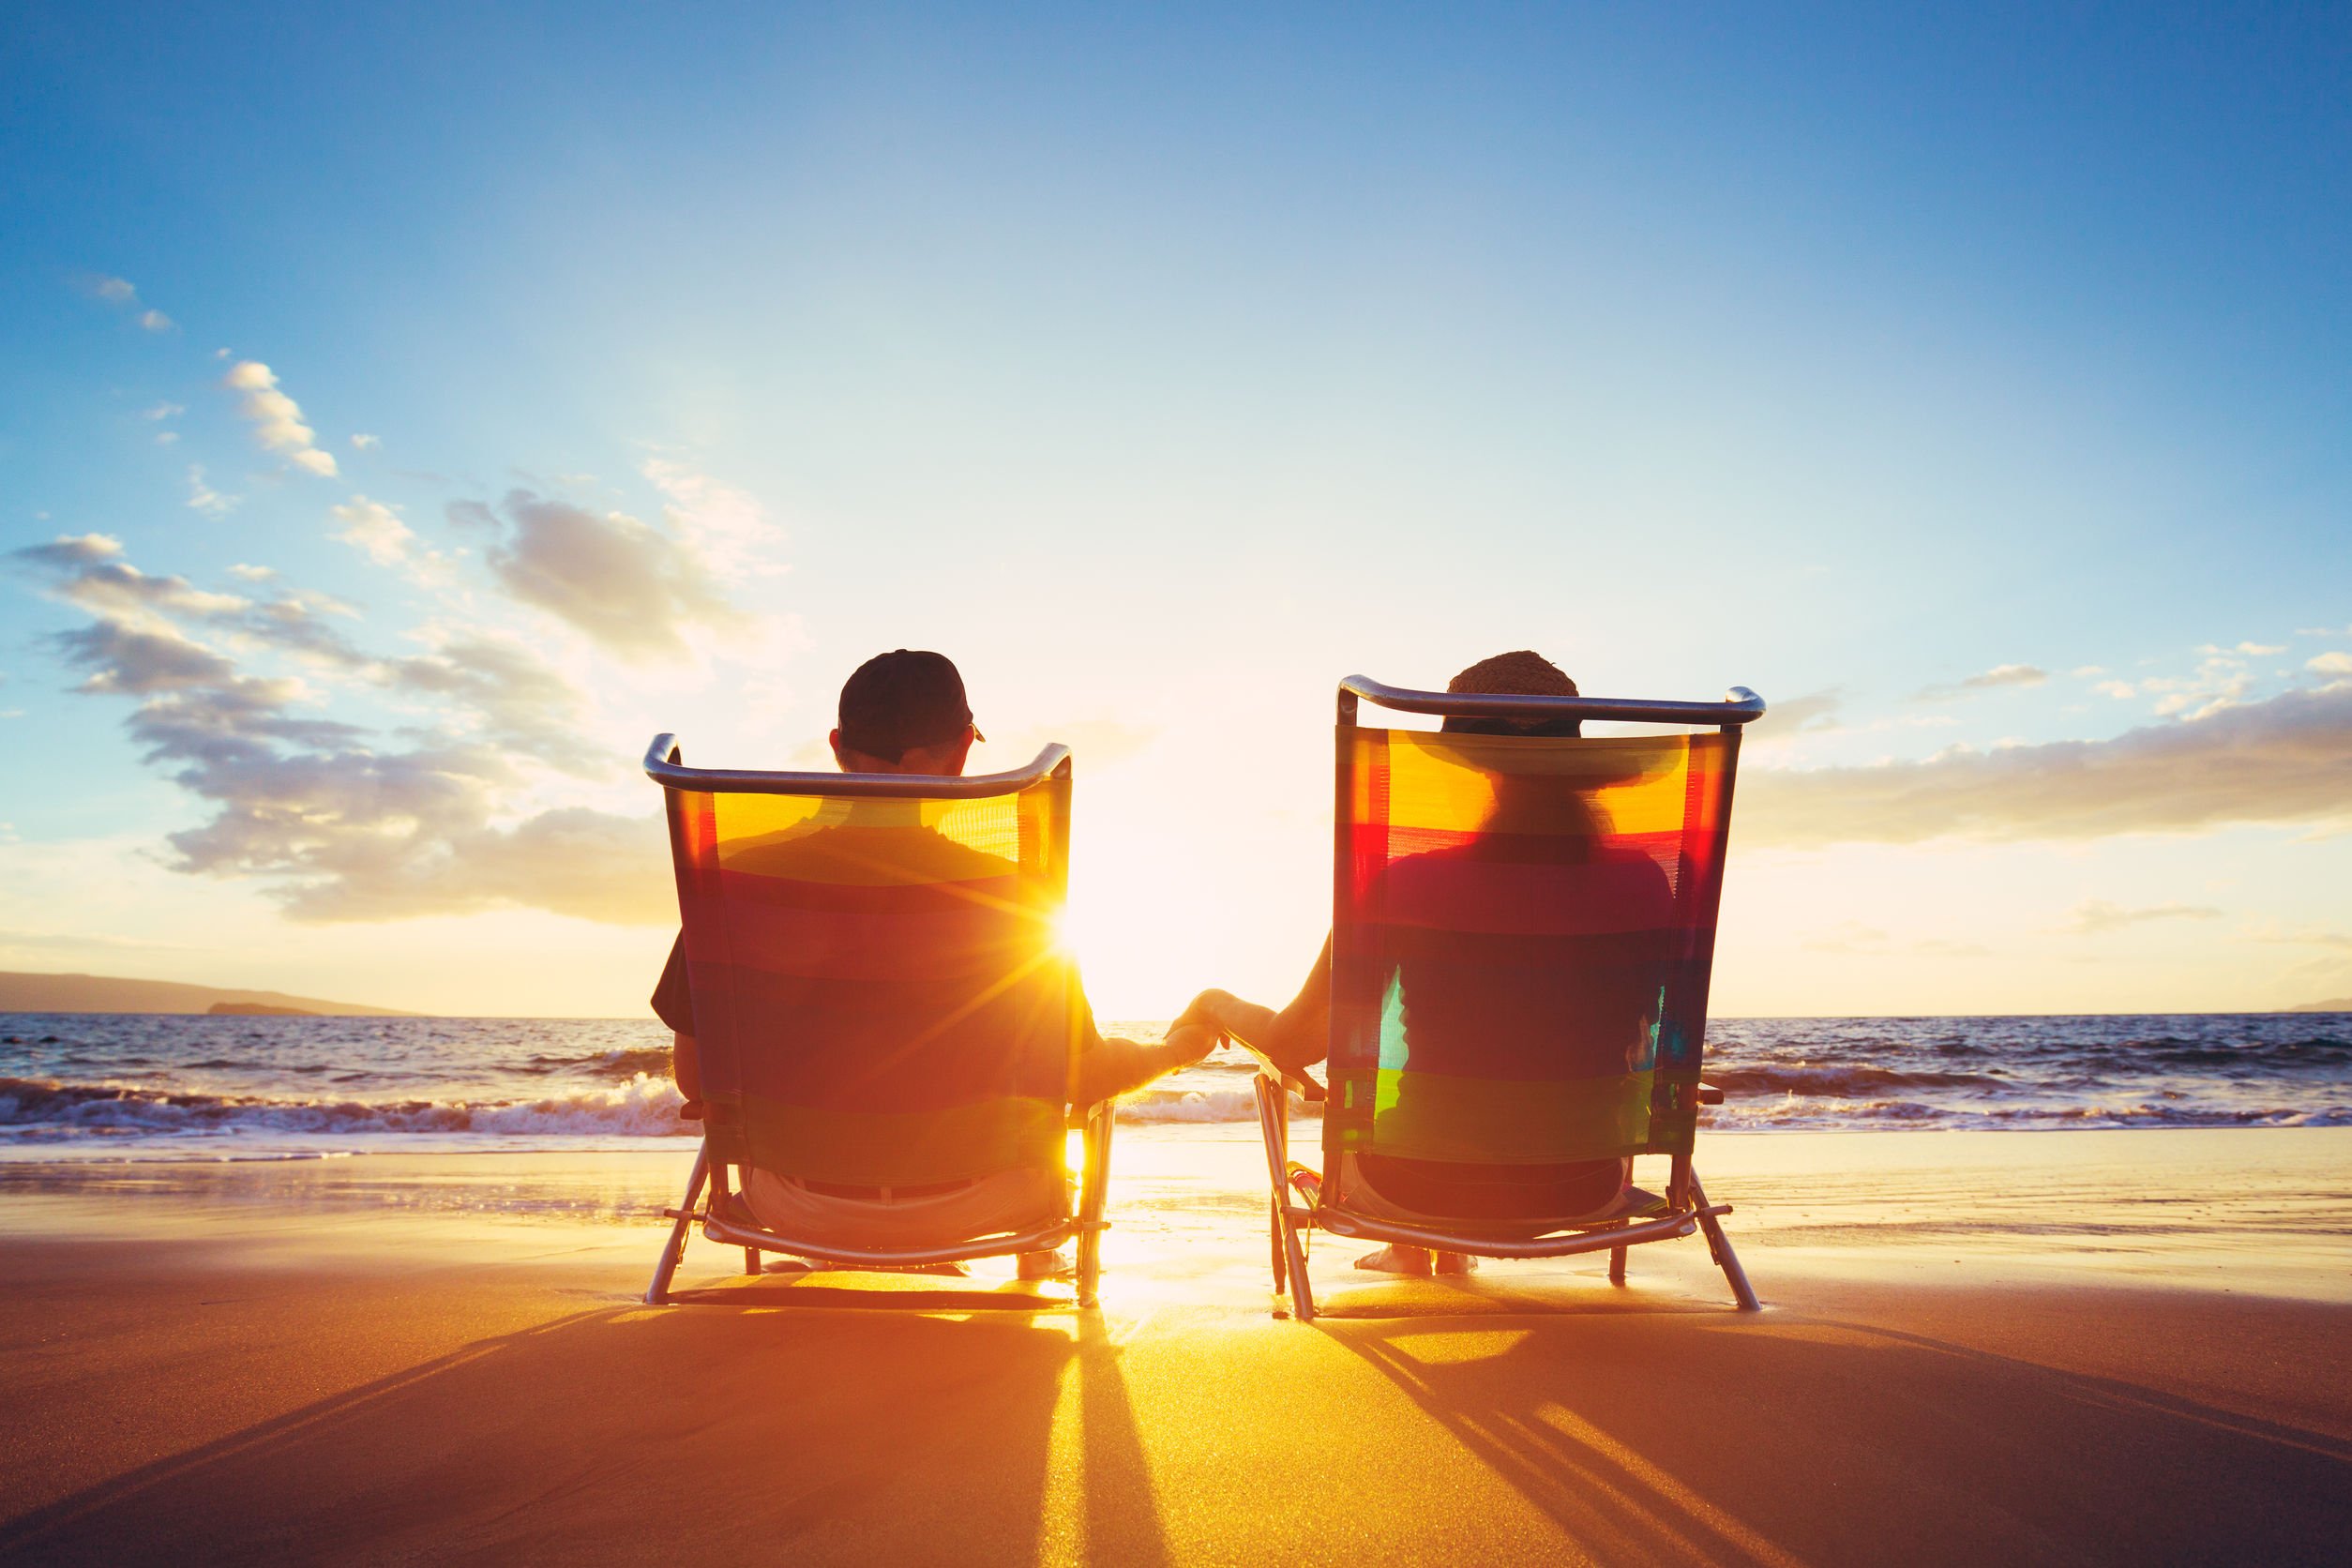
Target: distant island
[
  {"x": 22, "y": 992},
  {"x": 2341, "y": 1004}
]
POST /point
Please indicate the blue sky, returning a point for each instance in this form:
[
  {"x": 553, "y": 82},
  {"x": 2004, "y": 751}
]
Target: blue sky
[{"x": 1971, "y": 384}]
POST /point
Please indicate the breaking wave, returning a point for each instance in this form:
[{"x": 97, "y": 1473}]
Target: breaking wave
[{"x": 644, "y": 1107}]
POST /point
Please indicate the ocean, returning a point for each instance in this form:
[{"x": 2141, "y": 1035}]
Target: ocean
[{"x": 79, "y": 1086}]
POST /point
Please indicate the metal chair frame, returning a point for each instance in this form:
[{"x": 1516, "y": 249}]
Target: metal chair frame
[
  {"x": 1686, "y": 1205},
  {"x": 1085, "y": 1223}
]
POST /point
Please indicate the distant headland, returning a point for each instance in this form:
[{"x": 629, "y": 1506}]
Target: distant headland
[{"x": 23, "y": 992}]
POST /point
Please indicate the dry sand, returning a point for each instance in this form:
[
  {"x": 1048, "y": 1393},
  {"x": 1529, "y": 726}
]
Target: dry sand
[{"x": 1978, "y": 1348}]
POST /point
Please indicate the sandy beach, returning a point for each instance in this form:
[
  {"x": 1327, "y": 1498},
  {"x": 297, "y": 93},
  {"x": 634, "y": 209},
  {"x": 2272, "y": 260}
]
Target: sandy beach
[{"x": 2018, "y": 1347}]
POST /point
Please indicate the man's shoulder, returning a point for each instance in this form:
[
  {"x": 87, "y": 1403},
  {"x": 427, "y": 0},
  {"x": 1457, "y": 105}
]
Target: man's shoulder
[{"x": 854, "y": 853}]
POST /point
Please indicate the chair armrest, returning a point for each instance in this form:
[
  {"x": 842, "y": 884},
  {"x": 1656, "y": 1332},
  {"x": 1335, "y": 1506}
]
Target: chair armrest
[{"x": 1298, "y": 1083}]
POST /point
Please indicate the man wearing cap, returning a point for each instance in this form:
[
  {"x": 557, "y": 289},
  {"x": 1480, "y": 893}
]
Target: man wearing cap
[{"x": 905, "y": 712}]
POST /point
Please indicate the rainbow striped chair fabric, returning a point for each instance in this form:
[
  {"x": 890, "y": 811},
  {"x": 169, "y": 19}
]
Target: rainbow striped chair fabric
[
  {"x": 884, "y": 1015},
  {"x": 1522, "y": 933}
]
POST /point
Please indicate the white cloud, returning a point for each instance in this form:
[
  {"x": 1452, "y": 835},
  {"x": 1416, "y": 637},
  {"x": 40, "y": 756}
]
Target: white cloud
[
  {"x": 252, "y": 574},
  {"x": 337, "y": 823},
  {"x": 2096, "y": 916},
  {"x": 376, "y": 529},
  {"x": 73, "y": 550},
  {"x": 117, "y": 291},
  {"x": 205, "y": 499},
  {"x": 2330, "y": 663},
  {"x": 2283, "y": 760},
  {"x": 2243, "y": 650},
  {"x": 277, "y": 418},
  {"x": 1999, "y": 676},
  {"x": 163, "y": 411},
  {"x": 637, "y": 591},
  {"x": 726, "y": 527},
  {"x": 2122, "y": 691},
  {"x": 1814, "y": 711},
  {"x": 366, "y": 442}
]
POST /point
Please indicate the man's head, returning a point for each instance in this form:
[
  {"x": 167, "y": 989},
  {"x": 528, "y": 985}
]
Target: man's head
[
  {"x": 904, "y": 712},
  {"x": 1515, "y": 674}
]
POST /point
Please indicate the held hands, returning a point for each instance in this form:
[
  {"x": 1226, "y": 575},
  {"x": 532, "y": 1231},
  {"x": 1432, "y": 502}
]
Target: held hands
[
  {"x": 1197, "y": 1030},
  {"x": 1191, "y": 1042}
]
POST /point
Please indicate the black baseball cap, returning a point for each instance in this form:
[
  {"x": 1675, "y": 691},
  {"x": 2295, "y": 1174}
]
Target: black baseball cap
[{"x": 901, "y": 699}]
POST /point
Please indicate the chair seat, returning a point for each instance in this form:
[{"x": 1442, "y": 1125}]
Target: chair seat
[{"x": 1633, "y": 1203}]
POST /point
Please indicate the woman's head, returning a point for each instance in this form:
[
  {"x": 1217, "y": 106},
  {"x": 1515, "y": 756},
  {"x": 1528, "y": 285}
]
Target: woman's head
[{"x": 1520, "y": 674}]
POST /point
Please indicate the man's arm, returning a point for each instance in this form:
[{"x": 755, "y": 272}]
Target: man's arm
[
  {"x": 1112, "y": 1065},
  {"x": 1295, "y": 1038}
]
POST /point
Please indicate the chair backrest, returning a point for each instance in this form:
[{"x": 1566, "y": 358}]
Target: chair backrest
[
  {"x": 880, "y": 995},
  {"x": 1523, "y": 931}
]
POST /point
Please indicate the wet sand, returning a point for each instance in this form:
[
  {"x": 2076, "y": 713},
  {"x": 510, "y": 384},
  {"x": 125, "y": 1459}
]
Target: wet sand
[{"x": 2015, "y": 1346}]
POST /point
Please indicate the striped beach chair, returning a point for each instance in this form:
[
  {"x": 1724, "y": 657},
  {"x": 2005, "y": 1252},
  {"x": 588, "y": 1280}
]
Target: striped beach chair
[
  {"x": 1522, "y": 932},
  {"x": 885, "y": 1021}
]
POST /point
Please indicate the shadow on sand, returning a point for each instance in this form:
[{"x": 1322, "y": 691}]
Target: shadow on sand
[
  {"x": 760, "y": 1422},
  {"x": 1781, "y": 1440}
]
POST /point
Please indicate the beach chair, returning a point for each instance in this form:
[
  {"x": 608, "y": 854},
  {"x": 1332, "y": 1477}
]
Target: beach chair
[
  {"x": 885, "y": 1019},
  {"x": 1522, "y": 931}
]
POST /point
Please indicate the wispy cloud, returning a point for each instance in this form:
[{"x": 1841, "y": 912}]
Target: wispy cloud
[
  {"x": 205, "y": 499},
  {"x": 2283, "y": 760},
  {"x": 377, "y": 531},
  {"x": 120, "y": 291},
  {"x": 2096, "y": 916},
  {"x": 1995, "y": 679},
  {"x": 365, "y": 442},
  {"x": 1854, "y": 939},
  {"x": 1816, "y": 711},
  {"x": 635, "y": 590},
  {"x": 2333, "y": 662},
  {"x": 340, "y": 824},
  {"x": 277, "y": 419}
]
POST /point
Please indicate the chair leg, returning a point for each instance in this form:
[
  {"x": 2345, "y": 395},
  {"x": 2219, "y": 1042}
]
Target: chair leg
[
  {"x": 1094, "y": 1200},
  {"x": 751, "y": 1259},
  {"x": 1617, "y": 1265},
  {"x": 673, "y": 1249},
  {"x": 1289, "y": 1266},
  {"x": 1719, "y": 1245},
  {"x": 1301, "y": 1293},
  {"x": 1274, "y": 1234}
]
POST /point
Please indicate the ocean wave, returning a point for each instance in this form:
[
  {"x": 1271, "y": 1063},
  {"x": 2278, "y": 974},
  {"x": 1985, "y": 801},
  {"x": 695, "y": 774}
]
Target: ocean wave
[
  {"x": 1162, "y": 1106},
  {"x": 1794, "y": 1112},
  {"x": 627, "y": 1061},
  {"x": 1841, "y": 1081},
  {"x": 644, "y": 1107}
]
